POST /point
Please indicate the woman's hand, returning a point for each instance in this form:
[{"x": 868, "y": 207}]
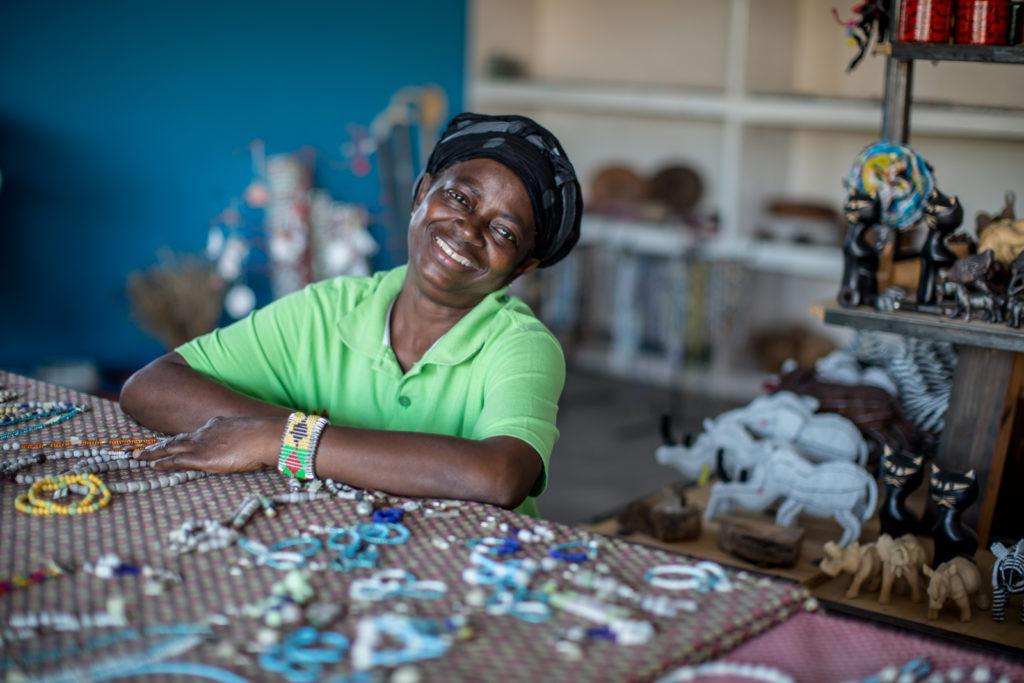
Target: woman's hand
[{"x": 223, "y": 444}]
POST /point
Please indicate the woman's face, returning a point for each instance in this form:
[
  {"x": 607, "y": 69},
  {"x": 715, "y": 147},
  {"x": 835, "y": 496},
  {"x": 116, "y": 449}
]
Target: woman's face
[{"x": 471, "y": 232}]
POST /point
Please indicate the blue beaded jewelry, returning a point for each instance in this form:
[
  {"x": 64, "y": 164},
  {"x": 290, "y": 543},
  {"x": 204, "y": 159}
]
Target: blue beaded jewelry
[
  {"x": 388, "y": 515},
  {"x": 380, "y": 532},
  {"x": 562, "y": 551},
  {"x": 300, "y": 658},
  {"x": 351, "y": 554},
  {"x": 494, "y": 546},
  {"x": 56, "y": 420}
]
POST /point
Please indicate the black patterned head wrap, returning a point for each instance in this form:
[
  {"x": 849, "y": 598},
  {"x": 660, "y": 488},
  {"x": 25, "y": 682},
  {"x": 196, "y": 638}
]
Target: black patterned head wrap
[{"x": 536, "y": 157}]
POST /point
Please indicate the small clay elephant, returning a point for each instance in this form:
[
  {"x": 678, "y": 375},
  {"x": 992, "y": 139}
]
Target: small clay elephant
[
  {"x": 860, "y": 560},
  {"x": 902, "y": 557},
  {"x": 955, "y": 580}
]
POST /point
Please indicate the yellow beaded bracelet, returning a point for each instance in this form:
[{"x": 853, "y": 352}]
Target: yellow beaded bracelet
[{"x": 35, "y": 501}]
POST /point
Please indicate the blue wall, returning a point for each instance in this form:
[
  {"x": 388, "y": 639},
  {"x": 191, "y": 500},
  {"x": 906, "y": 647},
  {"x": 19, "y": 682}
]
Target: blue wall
[{"x": 124, "y": 127}]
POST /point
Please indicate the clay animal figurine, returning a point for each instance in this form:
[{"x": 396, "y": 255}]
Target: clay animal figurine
[
  {"x": 860, "y": 560},
  {"x": 841, "y": 490},
  {"x": 968, "y": 283},
  {"x": 901, "y": 558},
  {"x": 952, "y": 493},
  {"x": 1014, "y": 307},
  {"x": 788, "y": 418},
  {"x": 942, "y": 216},
  {"x": 901, "y": 475},
  {"x": 1007, "y": 577},
  {"x": 1002, "y": 233},
  {"x": 955, "y": 580},
  {"x": 860, "y": 257},
  {"x": 873, "y": 410}
]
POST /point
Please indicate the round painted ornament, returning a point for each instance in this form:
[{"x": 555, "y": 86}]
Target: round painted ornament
[{"x": 897, "y": 175}]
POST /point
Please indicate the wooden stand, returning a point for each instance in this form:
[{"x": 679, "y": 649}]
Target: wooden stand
[
  {"x": 986, "y": 385},
  {"x": 831, "y": 592}
]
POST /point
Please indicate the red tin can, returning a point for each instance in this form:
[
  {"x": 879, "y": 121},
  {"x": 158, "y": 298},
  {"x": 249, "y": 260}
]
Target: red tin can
[
  {"x": 925, "y": 21},
  {"x": 982, "y": 22}
]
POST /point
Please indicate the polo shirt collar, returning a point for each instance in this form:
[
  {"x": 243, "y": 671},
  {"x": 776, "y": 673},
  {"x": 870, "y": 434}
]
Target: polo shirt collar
[{"x": 364, "y": 328}]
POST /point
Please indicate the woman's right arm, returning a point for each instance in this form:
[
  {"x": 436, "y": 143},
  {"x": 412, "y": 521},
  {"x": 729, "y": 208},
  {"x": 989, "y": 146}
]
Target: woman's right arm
[{"x": 170, "y": 397}]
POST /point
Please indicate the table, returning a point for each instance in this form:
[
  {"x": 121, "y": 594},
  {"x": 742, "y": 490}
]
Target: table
[
  {"x": 214, "y": 585},
  {"x": 987, "y": 384}
]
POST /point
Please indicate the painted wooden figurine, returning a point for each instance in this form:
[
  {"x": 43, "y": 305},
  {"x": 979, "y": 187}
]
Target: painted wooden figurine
[
  {"x": 901, "y": 475},
  {"x": 901, "y": 558},
  {"x": 952, "y": 493},
  {"x": 859, "y": 560},
  {"x": 955, "y": 580},
  {"x": 1007, "y": 577},
  {"x": 841, "y": 490}
]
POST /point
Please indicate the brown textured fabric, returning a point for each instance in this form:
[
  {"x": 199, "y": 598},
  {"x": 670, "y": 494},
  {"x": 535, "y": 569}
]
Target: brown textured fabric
[{"x": 135, "y": 527}]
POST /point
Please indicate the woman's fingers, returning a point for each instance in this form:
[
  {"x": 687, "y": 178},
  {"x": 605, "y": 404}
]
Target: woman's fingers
[
  {"x": 186, "y": 460},
  {"x": 162, "y": 449}
]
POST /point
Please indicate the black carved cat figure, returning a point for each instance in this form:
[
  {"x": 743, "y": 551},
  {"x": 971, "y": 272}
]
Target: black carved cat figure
[
  {"x": 901, "y": 475},
  {"x": 860, "y": 257},
  {"x": 952, "y": 493},
  {"x": 942, "y": 216}
]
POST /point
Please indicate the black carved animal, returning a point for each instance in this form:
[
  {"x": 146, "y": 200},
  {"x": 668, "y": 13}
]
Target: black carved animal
[
  {"x": 1016, "y": 276},
  {"x": 967, "y": 303},
  {"x": 901, "y": 475},
  {"x": 860, "y": 258},
  {"x": 942, "y": 216},
  {"x": 975, "y": 271},
  {"x": 952, "y": 493}
]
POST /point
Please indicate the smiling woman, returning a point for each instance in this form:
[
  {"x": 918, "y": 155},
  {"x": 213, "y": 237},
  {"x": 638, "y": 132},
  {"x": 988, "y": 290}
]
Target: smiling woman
[{"x": 432, "y": 380}]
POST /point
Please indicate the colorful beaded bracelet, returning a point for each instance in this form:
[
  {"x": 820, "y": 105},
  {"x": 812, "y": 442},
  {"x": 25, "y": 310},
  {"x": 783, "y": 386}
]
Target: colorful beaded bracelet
[
  {"x": 34, "y": 502},
  {"x": 298, "y": 446}
]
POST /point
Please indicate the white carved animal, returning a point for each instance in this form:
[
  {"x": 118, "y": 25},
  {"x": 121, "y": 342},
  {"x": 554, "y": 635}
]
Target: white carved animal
[
  {"x": 841, "y": 490},
  {"x": 842, "y": 367},
  {"x": 725, "y": 445},
  {"x": 822, "y": 437}
]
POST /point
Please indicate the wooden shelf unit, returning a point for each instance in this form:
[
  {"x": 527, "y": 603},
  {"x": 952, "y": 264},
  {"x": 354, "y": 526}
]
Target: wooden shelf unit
[{"x": 990, "y": 54}]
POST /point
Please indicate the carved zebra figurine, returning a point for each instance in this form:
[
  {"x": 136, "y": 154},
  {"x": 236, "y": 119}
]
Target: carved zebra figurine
[{"x": 1007, "y": 577}]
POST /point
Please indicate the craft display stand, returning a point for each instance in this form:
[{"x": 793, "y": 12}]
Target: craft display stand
[
  {"x": 983, "y": 403},
  {"x": 981, "y": 631},
  {"x": 135, "y": 527}
]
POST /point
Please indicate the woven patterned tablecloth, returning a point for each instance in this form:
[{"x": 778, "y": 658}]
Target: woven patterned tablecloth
[{"x": 135, "y": 527}]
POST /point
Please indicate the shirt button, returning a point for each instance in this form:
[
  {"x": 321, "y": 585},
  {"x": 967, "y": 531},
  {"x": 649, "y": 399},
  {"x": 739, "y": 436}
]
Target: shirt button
[{"x": 404, "y": 401}]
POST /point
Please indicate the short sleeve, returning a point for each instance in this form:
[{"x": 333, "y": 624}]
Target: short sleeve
[
  {"x": 251, "y": 355},
  {"x": 525, "y": 377}
]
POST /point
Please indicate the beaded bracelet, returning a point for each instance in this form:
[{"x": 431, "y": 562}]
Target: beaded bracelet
[
  {"x": 97, "y": 495},
  {"x": 298, "y": 446}
]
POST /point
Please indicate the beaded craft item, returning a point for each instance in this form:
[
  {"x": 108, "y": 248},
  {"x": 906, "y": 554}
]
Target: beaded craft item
[
  {"x": 298, "y": 446},
  {"x": 95, "y": 492},
  {"x": 50, "y": 571}
]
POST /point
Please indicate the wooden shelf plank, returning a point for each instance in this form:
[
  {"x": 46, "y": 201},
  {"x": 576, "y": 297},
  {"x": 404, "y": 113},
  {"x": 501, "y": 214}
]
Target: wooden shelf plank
[
  {"x": 937, "y": 328},
  {"x": 992, "y": 54}
]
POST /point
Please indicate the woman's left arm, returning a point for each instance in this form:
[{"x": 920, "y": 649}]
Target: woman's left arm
[{"x": 499, "y": 470}]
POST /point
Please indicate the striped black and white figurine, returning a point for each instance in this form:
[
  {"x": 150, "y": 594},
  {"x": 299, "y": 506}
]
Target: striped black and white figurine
[{"x": 1007, "y": 577}]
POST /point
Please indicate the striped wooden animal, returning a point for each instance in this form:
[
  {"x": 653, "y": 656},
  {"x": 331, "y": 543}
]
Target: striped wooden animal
[{"x": 1007, "y": 577}]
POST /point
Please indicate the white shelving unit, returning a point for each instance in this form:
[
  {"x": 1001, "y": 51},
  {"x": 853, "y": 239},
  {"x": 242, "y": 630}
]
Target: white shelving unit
[{"x": 753, "y": 95}]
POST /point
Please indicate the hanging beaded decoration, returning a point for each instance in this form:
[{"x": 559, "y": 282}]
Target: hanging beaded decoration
[
  {"x": 50, "y": 571},
  {"x": 96, "y": 495}
]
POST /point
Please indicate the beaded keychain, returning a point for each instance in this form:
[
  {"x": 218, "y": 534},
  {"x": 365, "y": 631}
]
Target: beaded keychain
[{"x": 95, "y": 492}]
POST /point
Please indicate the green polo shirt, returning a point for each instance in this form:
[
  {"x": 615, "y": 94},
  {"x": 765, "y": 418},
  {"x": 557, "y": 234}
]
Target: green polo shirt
[{"x": 497, "y": 372}]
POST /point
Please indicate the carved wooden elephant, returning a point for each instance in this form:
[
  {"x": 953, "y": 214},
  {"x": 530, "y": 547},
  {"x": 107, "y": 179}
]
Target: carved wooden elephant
[
  {"x": 902, "y": 557},
  {"x": 860, "y": 560},
  {"x": 955, "y": 580}
]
